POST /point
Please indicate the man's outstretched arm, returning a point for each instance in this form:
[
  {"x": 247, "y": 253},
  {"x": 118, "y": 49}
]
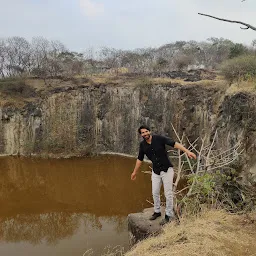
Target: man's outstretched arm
[
  {"x": 182, "y": 148},
  {"x": 136, "y": 168}
]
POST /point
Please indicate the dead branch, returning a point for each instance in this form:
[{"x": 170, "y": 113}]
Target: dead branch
[
  {"x": 178, "y": 177},
  {"x": 247, "y": 26},
  {"x": 176, "y": 193},
  {"x": 197, "y": 169},
  {"x": 180, "y": 141},
  {"x": 207, "y": 164},
  {"x": 209, "y": 160}
]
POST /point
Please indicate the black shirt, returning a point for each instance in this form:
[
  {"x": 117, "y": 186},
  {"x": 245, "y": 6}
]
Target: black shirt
[{"x": 157, "y": 153}]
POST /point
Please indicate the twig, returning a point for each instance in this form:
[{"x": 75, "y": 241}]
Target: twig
[
  {"x": 178, "y": 177},
  {"x": 88, "y": 252},
  {"x": 149, "y": 202},
  {"x": 209, "y": 152},
  {"x": 234, "y": 148},
  {"x": 147, "y": 172},
  {"x": 176, "y": 193}
]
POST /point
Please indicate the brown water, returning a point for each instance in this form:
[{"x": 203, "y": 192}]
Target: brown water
[{"x": 67, "y": 206}]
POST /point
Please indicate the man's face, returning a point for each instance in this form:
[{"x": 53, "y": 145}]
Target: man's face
[{"x": 145, "y": 134}]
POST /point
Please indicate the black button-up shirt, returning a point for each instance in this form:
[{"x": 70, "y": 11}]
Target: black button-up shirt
[{"x": 157, "y": 153}]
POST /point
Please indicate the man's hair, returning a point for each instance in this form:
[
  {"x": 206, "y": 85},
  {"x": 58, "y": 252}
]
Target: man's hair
[{"x": 143, "y": 127}]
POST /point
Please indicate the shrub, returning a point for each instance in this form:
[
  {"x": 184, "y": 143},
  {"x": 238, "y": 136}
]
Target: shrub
[
  {"x": 237, "y": 50},
  {"x": 221, "y": 189},
  {"x": 239, "y": 68},
  {"x": 182, "y": 61},
  {"x": 16, "y": 86}
]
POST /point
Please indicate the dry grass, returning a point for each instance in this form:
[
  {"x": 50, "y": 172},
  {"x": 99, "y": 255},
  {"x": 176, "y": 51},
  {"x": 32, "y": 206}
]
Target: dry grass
[
  {"x": 107, "y": 78},
  {"x": 217, "y": 82},
  {"x": 238, "y": 86},
  {"x": 210, "y": 83},
  {"x": 242, "y": 86},
  {"x": 215, "y": 233},
  {"x": 165, "y": 80},
  {"x": 42, "y": 87},
  {"x": 108, "y": 251}
]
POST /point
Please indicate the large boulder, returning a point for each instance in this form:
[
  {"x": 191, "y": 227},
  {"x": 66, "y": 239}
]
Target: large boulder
[{"x": 140, "y": 227}]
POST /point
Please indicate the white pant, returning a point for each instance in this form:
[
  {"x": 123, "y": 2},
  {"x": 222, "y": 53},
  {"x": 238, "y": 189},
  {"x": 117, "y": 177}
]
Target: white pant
[{"x": 167, "y": 179}]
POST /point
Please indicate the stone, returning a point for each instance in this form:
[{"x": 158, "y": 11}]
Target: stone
[{"x": 140, "y": 227}]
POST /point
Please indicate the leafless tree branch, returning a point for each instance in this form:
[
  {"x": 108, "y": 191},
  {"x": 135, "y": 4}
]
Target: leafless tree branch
[{"x": 247, "y": 26}]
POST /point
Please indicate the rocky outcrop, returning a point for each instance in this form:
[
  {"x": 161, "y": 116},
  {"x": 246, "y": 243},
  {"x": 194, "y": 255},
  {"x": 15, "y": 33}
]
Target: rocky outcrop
[
  {"x": 91, "y": 119},
  {"x": 140, "y": 227},
  {"x": 104, "y": 118},
  {"x": 236, "y": 121}
]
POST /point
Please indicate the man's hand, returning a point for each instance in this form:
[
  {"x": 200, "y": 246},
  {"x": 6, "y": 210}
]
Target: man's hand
[
  {"x": 182, "y": 148},
  {"x": 191, "y": 155},
  {"x": 133, "y": 176}
]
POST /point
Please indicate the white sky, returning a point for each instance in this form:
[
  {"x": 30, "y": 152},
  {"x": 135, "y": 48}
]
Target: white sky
[{"x": 125, "y": 24}]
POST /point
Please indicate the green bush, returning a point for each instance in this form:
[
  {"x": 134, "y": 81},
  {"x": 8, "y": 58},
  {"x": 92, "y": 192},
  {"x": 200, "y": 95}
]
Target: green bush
[
  {"x": 239, "y": 68},
  {"x": 237, "y": 50},
  {"x": 221, "y": 189}
]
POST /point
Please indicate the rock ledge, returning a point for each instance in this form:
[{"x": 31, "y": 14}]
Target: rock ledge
[{"x": 140, "y": 227}]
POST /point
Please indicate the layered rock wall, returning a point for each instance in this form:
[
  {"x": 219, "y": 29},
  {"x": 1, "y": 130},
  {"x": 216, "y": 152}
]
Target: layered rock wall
[{"x": 105, "y": 118}]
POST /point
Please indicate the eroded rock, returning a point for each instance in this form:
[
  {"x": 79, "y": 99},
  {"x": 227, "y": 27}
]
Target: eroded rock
[{"x": 140, "y": 227}]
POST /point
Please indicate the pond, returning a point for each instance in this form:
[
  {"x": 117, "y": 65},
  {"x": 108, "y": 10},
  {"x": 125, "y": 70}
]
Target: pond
[{"x": 67, "y": 206}]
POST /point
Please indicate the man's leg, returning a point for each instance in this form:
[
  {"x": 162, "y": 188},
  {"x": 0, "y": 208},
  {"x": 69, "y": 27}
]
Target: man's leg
[
  {"x": 156, "y": 185},
  {"x": 167, "y": 178}
]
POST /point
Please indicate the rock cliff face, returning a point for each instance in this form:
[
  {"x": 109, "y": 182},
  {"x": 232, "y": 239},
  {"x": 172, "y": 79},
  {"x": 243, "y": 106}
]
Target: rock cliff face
[{"x": 101, "y": 118}]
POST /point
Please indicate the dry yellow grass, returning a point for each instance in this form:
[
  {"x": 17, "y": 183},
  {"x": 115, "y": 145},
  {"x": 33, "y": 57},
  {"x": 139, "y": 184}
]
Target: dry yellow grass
[
  {"x": 215, "y": 233},
  {"x": 42, "y": 87},
  {"x": 165, "y": 80},
  {"x": 242, "y": 86},
  {"x": 108, "y": 78}
]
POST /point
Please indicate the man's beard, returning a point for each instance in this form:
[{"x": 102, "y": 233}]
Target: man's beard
[{"x": 146, "y": 137}]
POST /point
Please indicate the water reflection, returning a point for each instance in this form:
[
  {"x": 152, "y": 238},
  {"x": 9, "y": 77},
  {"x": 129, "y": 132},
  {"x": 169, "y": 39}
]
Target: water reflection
[
  {"x": 58, "y": 204},
  {"x": 51, "y": 227}
]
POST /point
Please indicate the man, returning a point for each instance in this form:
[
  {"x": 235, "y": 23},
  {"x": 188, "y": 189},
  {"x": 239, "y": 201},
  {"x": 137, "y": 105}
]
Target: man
[{"x": 153, "y": 146}]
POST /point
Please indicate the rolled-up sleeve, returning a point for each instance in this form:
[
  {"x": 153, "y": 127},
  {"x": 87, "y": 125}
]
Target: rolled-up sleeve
[
  {"x": 169, "y": 141},
  {"x": 141, "y": 153}
]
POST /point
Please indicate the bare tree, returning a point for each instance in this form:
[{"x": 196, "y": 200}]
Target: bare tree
[
  {"x": 18, "y": 56},
  {"x": 54, "y": 64},
  {"x": 2, "y": 57},
  {"x": 40, "y": 49},
  {"x": 72, "y": 63},
  {"x": 46, "y": 57},
  {"x": 91, "y": 61},
  {"x": 211, "y": 163},
  {"x": 112, "y": 58}
]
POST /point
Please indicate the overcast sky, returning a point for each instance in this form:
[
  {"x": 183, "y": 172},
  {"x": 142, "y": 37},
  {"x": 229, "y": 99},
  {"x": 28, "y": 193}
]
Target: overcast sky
[{"x": 125, "y": 24}]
